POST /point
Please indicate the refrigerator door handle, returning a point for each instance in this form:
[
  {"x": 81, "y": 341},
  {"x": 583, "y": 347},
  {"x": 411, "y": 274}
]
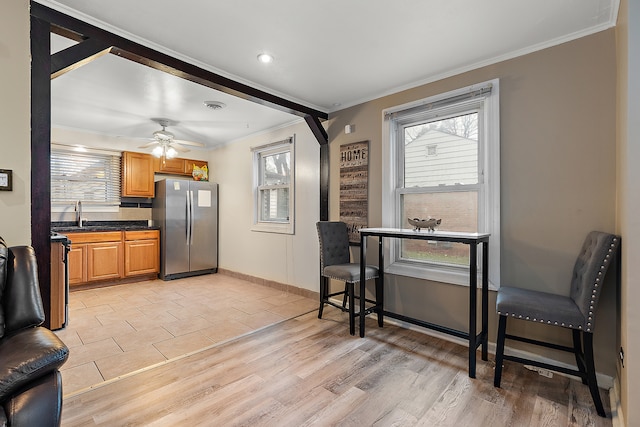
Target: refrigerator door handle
[
  {"x": 191, "y": 220},
  {"x": 188, "y": 225}
]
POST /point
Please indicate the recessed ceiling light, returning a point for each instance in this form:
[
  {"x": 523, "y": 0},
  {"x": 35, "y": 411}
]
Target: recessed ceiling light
[
  {"x": 265, "y": 58},
  {"x": 215, "y": 105}
]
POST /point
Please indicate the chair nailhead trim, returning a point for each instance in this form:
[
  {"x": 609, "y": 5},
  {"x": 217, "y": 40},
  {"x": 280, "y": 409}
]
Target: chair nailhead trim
[{"x": 535, "y": 319}]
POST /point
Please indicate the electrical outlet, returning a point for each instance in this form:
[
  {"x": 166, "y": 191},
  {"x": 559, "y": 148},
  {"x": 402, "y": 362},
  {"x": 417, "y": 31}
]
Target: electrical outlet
[
  {"x": 541, "y": 371},
  {"x": 545, "y": 373},
  {"x": 622, "y": 356}
]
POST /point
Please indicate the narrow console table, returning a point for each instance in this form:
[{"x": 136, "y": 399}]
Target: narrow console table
[{"x": 471, "y": 239}]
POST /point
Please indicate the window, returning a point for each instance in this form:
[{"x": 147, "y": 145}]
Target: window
[
  {"x": 92, "y": 177},
  {"x": 442, "y": 161},
  {"x": 273, "y": 171}
]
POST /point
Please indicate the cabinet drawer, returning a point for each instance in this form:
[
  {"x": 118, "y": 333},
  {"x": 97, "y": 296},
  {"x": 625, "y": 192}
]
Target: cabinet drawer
[
  {"x": 141, "y": 234},
  {"x": 90, "y": 237}
]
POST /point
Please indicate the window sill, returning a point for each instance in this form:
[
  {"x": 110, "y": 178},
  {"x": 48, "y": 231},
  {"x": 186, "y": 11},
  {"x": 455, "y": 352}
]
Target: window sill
[
  {"x": 452, "y": 275},
  {"x": 273, "y": 228}
]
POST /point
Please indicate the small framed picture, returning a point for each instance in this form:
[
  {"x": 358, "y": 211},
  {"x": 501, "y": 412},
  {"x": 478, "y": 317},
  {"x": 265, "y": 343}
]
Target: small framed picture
[{"x": 6, "y": 180}]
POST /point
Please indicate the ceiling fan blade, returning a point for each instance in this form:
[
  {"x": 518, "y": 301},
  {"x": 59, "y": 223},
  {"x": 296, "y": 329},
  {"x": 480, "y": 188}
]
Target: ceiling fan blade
[
  {"x": 148, "y": 144},
  {"x": 195, "y": 144},
  {"x": 178, "y": 147}
]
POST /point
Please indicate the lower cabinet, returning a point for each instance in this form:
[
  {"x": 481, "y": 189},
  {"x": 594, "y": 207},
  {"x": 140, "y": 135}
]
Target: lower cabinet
[
  {"x": 104, "y": 261},
  {"x": 111, "y": 256},
  {"x": 141, "y": 252},
  {"x": 77, "y": 263}
]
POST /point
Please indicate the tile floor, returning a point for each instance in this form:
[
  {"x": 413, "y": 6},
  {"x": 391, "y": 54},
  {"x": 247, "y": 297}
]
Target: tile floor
[{"x": 114, "y": 331}]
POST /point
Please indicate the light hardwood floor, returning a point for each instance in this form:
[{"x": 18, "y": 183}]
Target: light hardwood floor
[{"x": 307, "y": 371}]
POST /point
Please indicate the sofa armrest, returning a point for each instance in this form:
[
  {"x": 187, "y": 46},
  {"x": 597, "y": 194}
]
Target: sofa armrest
[
  {"x": 39, "y": 405},
  {"x": 28, "y": 355}
]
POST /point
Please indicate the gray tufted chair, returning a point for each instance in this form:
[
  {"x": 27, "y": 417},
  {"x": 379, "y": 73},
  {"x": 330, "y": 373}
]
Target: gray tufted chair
[
  {"x": 335, "y": 263},
  {"x": 576, "y": 312}
]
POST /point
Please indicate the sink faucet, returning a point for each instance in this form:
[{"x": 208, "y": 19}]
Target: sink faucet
[{"x": 78, "y": 210}]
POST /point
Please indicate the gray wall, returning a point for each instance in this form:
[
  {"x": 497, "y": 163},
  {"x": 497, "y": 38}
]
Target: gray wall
[{"x": 558, "y": 177}]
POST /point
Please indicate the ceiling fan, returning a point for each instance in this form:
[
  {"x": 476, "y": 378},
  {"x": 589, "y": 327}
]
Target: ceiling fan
[{"x": 166, "y": 146}]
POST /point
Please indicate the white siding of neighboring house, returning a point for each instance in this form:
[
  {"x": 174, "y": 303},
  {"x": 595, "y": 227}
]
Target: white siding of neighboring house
[{"x": 455, "y": 160}]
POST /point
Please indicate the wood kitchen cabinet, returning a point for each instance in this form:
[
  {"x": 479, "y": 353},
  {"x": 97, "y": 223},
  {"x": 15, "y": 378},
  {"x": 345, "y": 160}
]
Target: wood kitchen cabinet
[
  {"x": 175, "y": 166},
  {"x": 178, "y": 166},
  {"x": 104, "y": 261},
  {"x": 77, "y": 263},
  {"x": 137, "y": 174},
  {"x": 95, "y": 257},
  {"x": 141, "y": 252}
]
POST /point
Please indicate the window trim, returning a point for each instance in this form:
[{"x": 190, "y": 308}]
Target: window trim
[
  {"x": 284, "y": 227},
  {"x": 489, "y": 155}
]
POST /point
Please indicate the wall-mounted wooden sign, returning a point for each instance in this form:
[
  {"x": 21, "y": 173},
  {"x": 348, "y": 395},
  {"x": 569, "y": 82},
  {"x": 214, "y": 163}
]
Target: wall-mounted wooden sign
[{"x": 354, "y": 187}]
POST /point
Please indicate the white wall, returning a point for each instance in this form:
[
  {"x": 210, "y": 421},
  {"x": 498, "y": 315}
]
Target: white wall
[
  {"x": 284, "y": 258},
  {"x": 15, "y": 144}
]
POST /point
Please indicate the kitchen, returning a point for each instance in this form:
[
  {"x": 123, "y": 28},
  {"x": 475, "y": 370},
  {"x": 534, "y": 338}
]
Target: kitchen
[
  {"x": 101, "y": 255},
  {"x": 106, "y": 251}
]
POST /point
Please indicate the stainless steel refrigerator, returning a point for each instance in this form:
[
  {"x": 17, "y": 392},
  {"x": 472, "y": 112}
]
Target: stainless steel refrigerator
[{"x": 187, "y": 213}]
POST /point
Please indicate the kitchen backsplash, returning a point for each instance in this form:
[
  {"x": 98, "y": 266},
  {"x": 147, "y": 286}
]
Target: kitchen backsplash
[{"x": 123, "y": 214}]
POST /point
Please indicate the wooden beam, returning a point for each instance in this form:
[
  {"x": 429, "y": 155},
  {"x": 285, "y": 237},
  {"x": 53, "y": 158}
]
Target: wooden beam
[
  {"x": 41, "y": 156},
  {"x": 317, "y": 129},
  {"x": 324, "y": 182},
  {"x": 76, "y": 56}
]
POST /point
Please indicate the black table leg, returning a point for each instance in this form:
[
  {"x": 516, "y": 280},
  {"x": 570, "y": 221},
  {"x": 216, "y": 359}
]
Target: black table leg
[
  {"x": 473, "y": 288},
  {"x": 380, "y": 284},
  {"x": 363, "y": 263},
  {"x": 485, "y": 299}
]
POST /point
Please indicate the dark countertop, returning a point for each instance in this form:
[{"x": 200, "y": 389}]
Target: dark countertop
[{"x": 91, "y": 226}]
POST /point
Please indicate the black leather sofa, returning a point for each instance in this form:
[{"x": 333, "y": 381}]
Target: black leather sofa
[{"x": 30, "y": 355}]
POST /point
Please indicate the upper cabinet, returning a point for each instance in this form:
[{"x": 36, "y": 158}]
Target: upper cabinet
[
  {"x": 138, "y": 170},
  {"x": 178, "y": 166},
  {"x": 137, "y": 174},
  {"x": 170, "y": 166}
]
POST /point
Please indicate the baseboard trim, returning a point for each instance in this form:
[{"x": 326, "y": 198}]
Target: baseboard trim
[
  {"x": 617, "y": 416},
  {"x": 271, "y": 284}
]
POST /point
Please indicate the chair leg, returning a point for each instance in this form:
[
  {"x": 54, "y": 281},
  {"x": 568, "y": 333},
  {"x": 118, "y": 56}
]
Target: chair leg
[
  {"x": 352, "y": 314},
  {"x": 591, "y": 373},
  {"x": 577, "y": 350},
  {"x": 502, "y": 330},
  {"x": 323, "y": 295},
  {"x": 344, "y": 298}
]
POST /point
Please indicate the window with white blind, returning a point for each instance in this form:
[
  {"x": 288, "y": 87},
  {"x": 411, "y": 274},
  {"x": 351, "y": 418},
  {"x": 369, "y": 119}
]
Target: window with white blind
[
  {"x": 90, "y": 177},
  {"x": 274, "y": 178},
  {"x": 443, "y": 157}
]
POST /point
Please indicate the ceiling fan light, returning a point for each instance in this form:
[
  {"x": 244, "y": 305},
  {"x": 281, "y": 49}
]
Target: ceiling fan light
[
  {"x": 171, "y": 153},
  {"x": 157, "y": 151}
]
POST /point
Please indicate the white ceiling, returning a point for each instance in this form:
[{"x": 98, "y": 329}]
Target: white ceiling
[{"x": 328, "y": 55}]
